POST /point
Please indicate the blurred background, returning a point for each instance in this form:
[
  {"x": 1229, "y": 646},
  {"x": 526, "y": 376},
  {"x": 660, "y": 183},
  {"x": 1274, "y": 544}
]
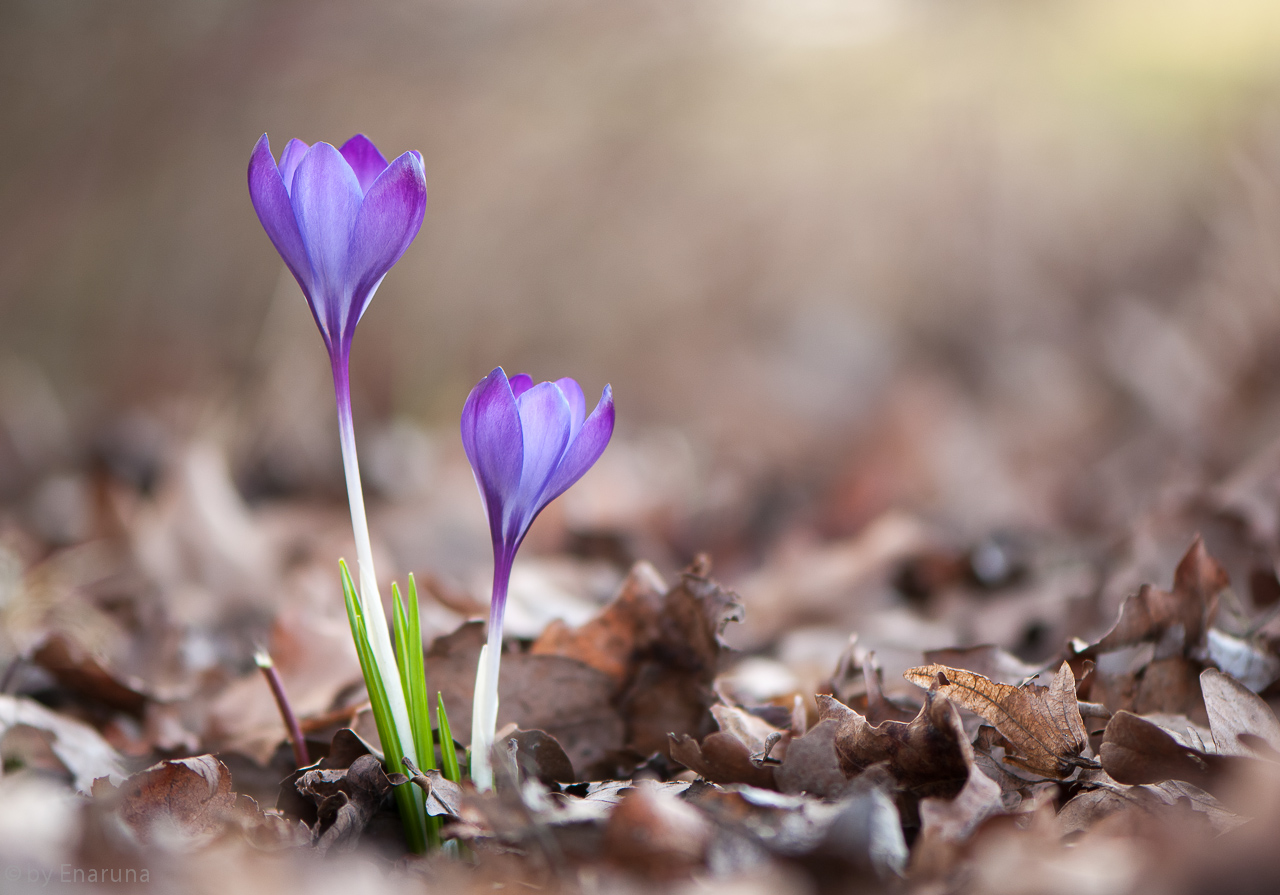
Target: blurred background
[{"x": 995, "y": 266}]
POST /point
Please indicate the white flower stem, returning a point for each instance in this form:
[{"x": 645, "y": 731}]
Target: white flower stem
[
  {"x": 370, "y": 599},
  {"x": 484, "y": 706}
]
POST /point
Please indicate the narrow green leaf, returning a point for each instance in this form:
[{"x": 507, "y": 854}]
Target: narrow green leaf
[
  {"x": 410, "y": 804},
  {"x": 400, "y": 625},
  {"x": 413, "y": 676},
  {"x": 416, "y": 689},
  {"x": 448, "y": 751}
]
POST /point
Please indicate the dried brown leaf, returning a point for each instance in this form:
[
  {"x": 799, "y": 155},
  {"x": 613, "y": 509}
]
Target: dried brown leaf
[
  {"x": 80, "y": 748},
  {"x": 1042, "y": 723},
  {"x": 725, "y": 756},
  {"x": 925, "y": 755},
  {"x": 346, "y": 800},
  {"x": 1134, "y": 750},
  {"x": 540, "y": 756},
  {"x": 811, "y": 764},
  {"x": 569, "y": 700},
  {"x": 1177, "y": 620},
  {"x": 609, "y": 641},
  {"x": 670, "y": 689},
  {"x": 191, "y": 797},
  {"x": 656, "y": 834},
  {"x": 1235, "y": 710},
  {"x": 77, "y": 669}
]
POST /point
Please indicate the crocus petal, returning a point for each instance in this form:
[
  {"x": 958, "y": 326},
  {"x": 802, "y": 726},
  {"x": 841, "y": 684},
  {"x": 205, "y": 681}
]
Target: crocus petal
[
  {"x": 385, "y": 225},
  {"x": 271, "y": 202},
  {"x": 577, "y": 403},
  {"x": 365, "y": 159},
  {"x": 293, "y": 152},
  {"x": 491, "y": 436},
  {"x": 585, "y": 449},
  {"x": 545, "y": 418},
  {"x": 326, "y": 200},
  {"x": 521, "y": 383}
]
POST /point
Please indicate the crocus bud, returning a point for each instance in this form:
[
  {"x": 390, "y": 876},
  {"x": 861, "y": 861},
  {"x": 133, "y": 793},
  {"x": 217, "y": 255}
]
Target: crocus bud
[
  {"x": 340, "y": 218},
  {"x": 527, "y": 444}
]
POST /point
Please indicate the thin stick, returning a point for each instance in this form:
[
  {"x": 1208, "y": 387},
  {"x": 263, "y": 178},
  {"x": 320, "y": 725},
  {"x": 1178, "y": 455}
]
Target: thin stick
[{"x": 263, "y": 660}]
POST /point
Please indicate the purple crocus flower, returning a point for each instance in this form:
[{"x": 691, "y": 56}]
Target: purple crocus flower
[
  {"x": 340, "y": 218},
  {"x": 527, "y": 444}
]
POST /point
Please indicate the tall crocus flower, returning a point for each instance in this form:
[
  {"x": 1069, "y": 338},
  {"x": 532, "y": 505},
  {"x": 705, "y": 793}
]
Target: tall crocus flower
[
  {"x": 340, "y": 218},
  {"x": 527, "y": 444}
]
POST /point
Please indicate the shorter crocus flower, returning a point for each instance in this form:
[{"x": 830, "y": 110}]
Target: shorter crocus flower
[
  {"x": 340, "y": 219},
  {"x": 527, "y": 444}
]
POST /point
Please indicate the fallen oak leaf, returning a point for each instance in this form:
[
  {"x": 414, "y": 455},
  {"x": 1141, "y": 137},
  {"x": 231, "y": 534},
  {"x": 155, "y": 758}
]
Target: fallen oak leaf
[{"x": 1042, "y": 723}]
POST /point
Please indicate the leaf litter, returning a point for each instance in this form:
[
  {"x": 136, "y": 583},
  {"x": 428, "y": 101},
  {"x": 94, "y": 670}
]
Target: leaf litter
[{"x": 911, "y": 709}]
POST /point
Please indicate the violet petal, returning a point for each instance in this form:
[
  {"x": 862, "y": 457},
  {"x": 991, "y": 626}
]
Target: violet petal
[
  {"x": 577, "y": 403},
  {"x": 545, "y": 418},
  {"x": 365, "y": 160},
  {"x": 293, "y": 152},
  {"x": 491, "y": 436},
  {"x": 275, "y": 211},
  {"x": 585, "y": 449},
  {"x": 326, "y": 199},
  {"x": 521, "y": 383},
  {"x": 385, "y": 225}
]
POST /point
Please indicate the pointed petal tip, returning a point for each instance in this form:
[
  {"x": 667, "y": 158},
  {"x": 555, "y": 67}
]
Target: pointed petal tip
[{"x": 521, "y": 383}]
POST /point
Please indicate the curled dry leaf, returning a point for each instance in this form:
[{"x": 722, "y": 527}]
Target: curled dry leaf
[
  {"x": 661, "y": 651},
  {"x": 1177, "y": 621},
  {"x": 925, "y": 755},
  {"x": 189, "y": 797},
  {"x": 725, "y": 756},
  {"x": 1239, "y": 717},
  {"x": 954, "y": 820},
  {"x": 609, "y": 641},
  {"x": 346, "y": 800},
  {"x": 1134, "y": 750},
  {"x": 540, "y": 756},
  {"x": 77, "y": 669},
  {"x": 1042, "y": 723},
  {"x": 445, "y": 796},
  {"x": 344, "y": 748}
]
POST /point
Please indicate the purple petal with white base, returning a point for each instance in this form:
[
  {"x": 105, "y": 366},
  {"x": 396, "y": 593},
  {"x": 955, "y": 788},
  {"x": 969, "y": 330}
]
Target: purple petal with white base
[
  {"x": 527, "y": 444},
  {"x": 340, "y": 219}
]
